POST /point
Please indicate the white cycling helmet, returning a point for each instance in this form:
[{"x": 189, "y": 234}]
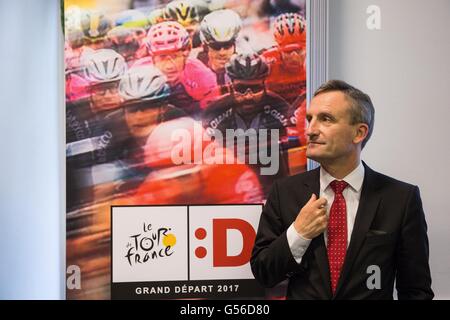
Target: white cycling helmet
[
  {"x": 103, "y": 65},
  {"x": 145, "y": 83},
  {"x": 220, "y": 26}
]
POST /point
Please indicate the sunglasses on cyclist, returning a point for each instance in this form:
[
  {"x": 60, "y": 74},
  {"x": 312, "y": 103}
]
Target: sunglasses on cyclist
[
  {"x": 243, "y": 88},
  {"x": 142, "y": 106},
  {"x": 221, "y": 45},
  {"x": 293, "y": 48},
  {"x": 174, "y": 56}
]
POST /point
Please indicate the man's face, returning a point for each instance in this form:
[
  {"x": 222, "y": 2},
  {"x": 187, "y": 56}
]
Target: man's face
[
  {"x": 293, "y": 57},
  {"x": 105, "y": 96},
  {"x": 172, "y": 65},
  {"x": 248, "y": 92},
  {"x": 330, "y": 136},
  {"x": 142, "y": 117},
  {"x": 219, "y": 54},
  {"x": 191, "y": 29}
]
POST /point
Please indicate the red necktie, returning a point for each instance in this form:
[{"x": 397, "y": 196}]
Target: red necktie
[{"x": 337, "y": 232}]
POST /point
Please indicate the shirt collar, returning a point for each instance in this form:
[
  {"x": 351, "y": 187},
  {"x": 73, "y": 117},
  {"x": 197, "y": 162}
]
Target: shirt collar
[{"x": 354, "y": 179}]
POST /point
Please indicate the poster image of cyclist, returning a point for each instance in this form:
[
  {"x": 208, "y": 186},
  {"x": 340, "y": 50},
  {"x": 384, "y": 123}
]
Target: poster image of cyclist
[{"x": 183, "y": 103}]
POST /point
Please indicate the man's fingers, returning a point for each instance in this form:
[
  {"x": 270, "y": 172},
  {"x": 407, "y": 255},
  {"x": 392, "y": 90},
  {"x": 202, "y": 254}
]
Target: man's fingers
[
  {"x": 320, "y": 212},
  {"x": 321, "y": 216},
  {"x": 320, "y": 203},
  {"x": 312, "y": 199}
]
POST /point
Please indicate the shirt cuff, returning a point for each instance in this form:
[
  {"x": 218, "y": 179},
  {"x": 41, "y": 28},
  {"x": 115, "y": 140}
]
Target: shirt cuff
[{"x": 297, "y": 243}]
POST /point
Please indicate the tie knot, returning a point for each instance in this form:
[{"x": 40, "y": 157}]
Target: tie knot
[{"x": 338, "y": 186}]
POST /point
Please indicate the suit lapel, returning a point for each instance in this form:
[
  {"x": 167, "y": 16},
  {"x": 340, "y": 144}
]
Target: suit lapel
[
  {"x": 367, "y": 209},
  {"x": 318, "y": 243}
]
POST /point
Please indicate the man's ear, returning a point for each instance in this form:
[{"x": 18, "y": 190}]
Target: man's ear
[{"x": 361, "y": 132}]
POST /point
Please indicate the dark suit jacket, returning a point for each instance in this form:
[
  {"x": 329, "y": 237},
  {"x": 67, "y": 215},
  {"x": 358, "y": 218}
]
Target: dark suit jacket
[{"x": 389, "y": 232}]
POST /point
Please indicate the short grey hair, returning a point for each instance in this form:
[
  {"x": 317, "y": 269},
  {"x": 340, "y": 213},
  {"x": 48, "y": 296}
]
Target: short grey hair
[{"x": 362, "y": 110}]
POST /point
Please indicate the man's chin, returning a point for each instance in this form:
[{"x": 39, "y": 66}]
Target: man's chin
[
  {"x": 221, "y": 63},
  {"x": 313, "y": 155},
  {"x": 172, "y": 79},
  {"x": 140, "y": 133},
  {"x": 293, "y": 66}
]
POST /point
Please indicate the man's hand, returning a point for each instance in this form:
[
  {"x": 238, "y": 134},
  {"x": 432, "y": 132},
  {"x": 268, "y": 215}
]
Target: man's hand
[{"x": 312, "y": 219}]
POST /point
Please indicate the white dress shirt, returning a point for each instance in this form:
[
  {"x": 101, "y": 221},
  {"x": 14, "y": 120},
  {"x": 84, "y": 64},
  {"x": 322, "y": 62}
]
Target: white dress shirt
[{"x": 352, "y": 193}]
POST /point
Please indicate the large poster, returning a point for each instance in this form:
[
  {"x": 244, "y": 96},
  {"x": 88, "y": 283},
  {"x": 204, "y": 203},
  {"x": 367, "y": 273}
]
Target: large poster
[{"x": 183, "y": 102}]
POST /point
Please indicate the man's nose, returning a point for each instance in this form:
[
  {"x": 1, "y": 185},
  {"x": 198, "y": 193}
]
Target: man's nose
[
  {"x": 170, "y": 63},
  {"x": 311, "y": 128},
  {"x": 170, "y": 66},
  {"x": 109, "y": 93},
  {"x": 138, "y": 115}
]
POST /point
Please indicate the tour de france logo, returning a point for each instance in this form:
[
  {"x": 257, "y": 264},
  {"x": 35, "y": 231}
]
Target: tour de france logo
[{"x": 150, "y": 244}]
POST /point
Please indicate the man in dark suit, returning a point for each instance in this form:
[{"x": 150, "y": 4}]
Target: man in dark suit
[{"x": 342, "y": 231}]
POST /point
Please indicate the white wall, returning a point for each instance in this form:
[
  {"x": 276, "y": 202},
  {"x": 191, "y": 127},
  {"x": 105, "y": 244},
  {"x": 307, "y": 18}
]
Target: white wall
[
  {"x": 31, "y": 132},
  {"x": 405, "y": 68}
]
